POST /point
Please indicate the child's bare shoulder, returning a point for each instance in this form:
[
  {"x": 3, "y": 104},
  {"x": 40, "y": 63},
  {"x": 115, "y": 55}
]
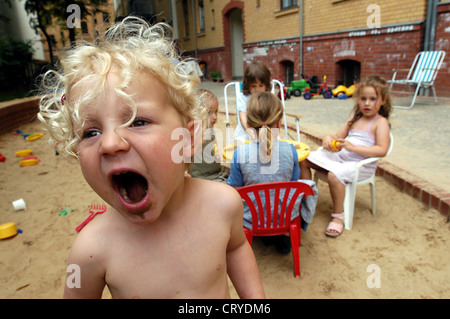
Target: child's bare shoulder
[
  {"x": 382, "y": 123},
  {"x": 219, "y": 196},
  {"x": 94, "y": 237},
  {"x": 382, "y": 120}
]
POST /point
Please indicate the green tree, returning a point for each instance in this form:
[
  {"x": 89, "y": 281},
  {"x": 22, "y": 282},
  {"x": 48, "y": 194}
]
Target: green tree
[
  {"x": 2, "y": 17},
  {"x": 44, "y": 10},
  {"x": 15, "y": 64}
]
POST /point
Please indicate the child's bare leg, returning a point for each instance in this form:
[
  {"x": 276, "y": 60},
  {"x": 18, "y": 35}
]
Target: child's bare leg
[
  {"x": 305, "y": 169},
  {"x": 337, "y": 191}
]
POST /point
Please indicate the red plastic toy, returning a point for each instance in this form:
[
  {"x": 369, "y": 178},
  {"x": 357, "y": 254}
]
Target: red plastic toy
[
  {"x": 94, "y": 210},
  {"x": 309, "y": 93},
  {"x": 286, "y": 93}
]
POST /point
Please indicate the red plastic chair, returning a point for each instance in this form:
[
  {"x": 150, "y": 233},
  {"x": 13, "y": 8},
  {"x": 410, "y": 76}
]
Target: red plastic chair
[{"x": 278, "y": 221}]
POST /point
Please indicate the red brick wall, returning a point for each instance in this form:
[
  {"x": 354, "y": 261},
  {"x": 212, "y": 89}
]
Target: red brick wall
[
  {"x": 277, "y": 52},
  {"x": 379, "y": 51},
  {"x": 216, "y": 59},
  {"x": 17, "y": 112},
  {"x": 443, "y": 43}
]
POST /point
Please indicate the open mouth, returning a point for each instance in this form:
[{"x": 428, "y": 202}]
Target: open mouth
[{"x": 132, "y": 187}]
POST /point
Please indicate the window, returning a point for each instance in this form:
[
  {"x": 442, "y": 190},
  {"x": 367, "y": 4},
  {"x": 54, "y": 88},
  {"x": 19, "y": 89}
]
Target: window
[
  {"x": 287, "y": 4},
  {"x": 84, "y": 27},
  {"x": 105, "y": 17},
  {"x": 201, "y": 15},
  {"x": 213, "y": 15},
  {"x": 63, "y": 41},
  {"x": 52, "y": 40},
  {"x": 186, "y": 18}
]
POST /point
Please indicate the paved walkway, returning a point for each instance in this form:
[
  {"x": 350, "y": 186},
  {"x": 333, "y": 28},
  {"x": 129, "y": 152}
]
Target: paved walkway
[{"x": 419, "y": 161}]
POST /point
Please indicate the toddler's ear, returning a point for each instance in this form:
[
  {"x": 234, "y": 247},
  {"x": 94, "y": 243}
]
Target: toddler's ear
[{"x": 192, "y": 143}]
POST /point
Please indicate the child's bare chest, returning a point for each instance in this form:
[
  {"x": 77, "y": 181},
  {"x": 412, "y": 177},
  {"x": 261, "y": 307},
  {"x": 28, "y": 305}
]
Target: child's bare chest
[
  {"x": 364, "y": 124},
  {"x": 171, "y": 265}
]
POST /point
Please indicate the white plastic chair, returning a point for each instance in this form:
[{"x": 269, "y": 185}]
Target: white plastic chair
[
  {"x": 237, "y": 91},
  {"x": 422, "y": 73},
  {"x": 350, "y": 188}
]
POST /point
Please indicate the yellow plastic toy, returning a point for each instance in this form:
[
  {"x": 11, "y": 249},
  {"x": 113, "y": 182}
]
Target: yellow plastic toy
[
  {"x": 27, "y": 162},
  {"x": 34, "y": 137},
  {"x": 23, "y": 153},
  {"x": 8, "y": 230},
  {"x": 342, "y": 89},
  {"x": 336, "y": 146}
]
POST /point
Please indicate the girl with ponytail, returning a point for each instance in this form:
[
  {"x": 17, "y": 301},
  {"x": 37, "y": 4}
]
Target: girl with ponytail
[{"x": 266, "y": 159}]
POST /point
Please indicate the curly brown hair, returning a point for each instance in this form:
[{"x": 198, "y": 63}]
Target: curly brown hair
[{"x": 382, "y": 88}]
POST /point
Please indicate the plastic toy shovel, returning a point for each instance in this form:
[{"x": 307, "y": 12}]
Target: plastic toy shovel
[{"x": 94, "y": 210}]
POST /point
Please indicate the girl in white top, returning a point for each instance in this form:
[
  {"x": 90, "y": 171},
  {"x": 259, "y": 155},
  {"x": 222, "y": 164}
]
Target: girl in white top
[
  {"x": 257, "y": 79},
  {"x": 365, "y": 134}
]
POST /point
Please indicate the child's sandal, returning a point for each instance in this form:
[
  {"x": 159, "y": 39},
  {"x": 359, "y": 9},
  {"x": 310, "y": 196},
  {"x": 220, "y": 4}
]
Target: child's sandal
[{"x": 337, "y": 227}]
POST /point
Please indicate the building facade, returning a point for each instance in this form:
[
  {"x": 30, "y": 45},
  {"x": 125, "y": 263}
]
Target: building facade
[
  {"x": 343, "y": 39},
  {"x": 94, "y": 23}
]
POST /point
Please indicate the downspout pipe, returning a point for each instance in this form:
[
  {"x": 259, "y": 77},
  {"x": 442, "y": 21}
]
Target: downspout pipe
[
  {"x": 430, "y": 26},
  {"x": 195, "y": 28},
  {"x": 301, "y": 40},
  {"x": 174, "y": 18}
]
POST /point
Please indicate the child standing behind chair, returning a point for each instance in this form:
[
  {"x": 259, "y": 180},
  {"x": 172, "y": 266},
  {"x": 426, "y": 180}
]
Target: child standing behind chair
[
  {"x": 206, "y": 163},
  {"x": 268, "y": 159},
  {"x": 115, "y": 107},
  {"x": 257, "y": 78},
  {"x": 365, "y": 134}
]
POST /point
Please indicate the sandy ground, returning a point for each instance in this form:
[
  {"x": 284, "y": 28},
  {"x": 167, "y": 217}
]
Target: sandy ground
[{"x": 404, "y": 246}]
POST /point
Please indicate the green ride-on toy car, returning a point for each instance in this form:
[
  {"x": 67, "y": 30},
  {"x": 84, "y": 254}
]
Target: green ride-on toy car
[{"x": 297, "y": 87}]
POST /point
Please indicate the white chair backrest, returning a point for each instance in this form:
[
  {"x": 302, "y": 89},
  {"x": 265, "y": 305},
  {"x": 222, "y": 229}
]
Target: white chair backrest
[
  {"x": 237, "y": 91},
  {"x": 428, "y": 63},
  {"x": 391, "y": 143}
]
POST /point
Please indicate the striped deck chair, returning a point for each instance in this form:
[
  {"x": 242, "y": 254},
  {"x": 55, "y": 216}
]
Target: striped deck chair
[{"x": 422, "y": 73}]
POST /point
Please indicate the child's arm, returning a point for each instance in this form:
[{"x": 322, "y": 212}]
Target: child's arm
[
  {"x": 85, "y": 273},
  {"x": 296, "y": 170},
  {"x": 338, "y": 136},
  {"x": 241, "y": 106},
  {"x": 235, "y": 179},
  {"x": 243, "y": 119},
  {"x": 241, "y": 263}
]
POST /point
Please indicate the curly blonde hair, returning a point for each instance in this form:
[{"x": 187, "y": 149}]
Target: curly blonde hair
[{"x": 130, "y": 46}]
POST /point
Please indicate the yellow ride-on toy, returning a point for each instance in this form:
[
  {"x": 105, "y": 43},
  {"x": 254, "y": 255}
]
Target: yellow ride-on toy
[{"x": 342, "y": 89}]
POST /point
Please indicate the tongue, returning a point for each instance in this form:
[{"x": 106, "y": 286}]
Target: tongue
[
  {"x": 133, "y": 187},
  {"x": 136, "y": 193}
]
